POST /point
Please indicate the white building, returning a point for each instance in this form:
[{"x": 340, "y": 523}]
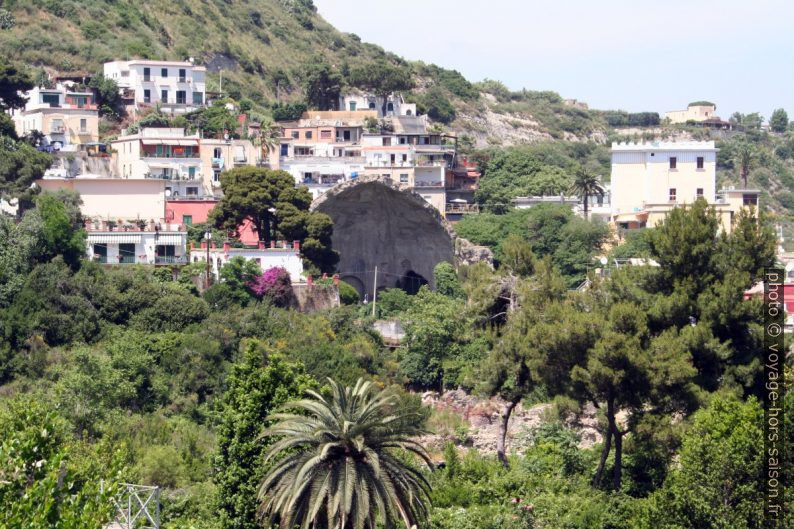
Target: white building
[
  {"x": 395, "y": 104},
  {"x": 280, "y": 254},
  {"x": 66, "y": 115},
  {"x": 145, "y": 243},
  {"x": 176, "y": 86}
]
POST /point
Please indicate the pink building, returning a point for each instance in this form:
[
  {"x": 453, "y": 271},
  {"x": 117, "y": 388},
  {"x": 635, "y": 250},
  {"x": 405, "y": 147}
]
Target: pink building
[{"x": 197, "y": 211}]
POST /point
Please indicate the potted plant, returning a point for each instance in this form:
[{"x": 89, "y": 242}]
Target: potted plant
[{"x": 111, "y": 225}]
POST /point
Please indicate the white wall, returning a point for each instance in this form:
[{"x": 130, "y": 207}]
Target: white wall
[{"x": 287, "y": 258}]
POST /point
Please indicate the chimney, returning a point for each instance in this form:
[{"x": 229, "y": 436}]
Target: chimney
[
  {"x": 226, "y": 246},
  {"x": 203, "y": 245},
  {"x": 261, "y": 245},
  {"x": 272, "y": 244},
  {"x": 214, "y": 246},
  {"x": 296, "y": 245}
]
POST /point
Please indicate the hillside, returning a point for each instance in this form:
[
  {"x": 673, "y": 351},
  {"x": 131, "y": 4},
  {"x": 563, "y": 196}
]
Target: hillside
[{"x": 263, "y": 48}]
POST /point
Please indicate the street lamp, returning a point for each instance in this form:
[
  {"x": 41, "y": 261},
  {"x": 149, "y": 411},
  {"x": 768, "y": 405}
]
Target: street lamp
[{"x": 208, "y": 238}]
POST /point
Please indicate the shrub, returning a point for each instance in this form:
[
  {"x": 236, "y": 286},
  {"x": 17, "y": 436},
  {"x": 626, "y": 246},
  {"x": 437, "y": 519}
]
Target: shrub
[
  {"x": 347, "y": 294},
  {"x": 274, "y": 284}
]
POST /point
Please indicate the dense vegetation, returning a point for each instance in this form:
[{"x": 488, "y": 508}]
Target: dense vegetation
[{"x": 142, "y": 379}]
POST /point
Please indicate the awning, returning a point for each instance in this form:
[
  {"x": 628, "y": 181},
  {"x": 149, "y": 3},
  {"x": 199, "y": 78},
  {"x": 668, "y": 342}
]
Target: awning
[
  {"x": 631, "y": 217},
  {"x": 186, "y": 143},
  {"x": 170, "y": 239},
  {"x": 159, "y": 142},
  {"x": 114, "y": 238}
]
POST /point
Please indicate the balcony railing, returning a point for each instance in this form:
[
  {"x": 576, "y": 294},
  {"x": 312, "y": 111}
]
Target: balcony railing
[
  {"x": 217, "y": 162},
  {"x": 428, "y": 184},
  {"x": 169, "y": 259},
  {"x": 453, "y": 207},
  {"x": 240, "y": 159},
  {"x": 57, "y": 129}
]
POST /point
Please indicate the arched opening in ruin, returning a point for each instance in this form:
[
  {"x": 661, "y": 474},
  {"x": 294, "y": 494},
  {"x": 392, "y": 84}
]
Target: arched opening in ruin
[{"x": 377, "y": 225}]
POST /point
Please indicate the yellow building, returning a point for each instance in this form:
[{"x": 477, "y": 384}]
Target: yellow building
[
  {"x": 695, "y": 112},
  {"x": 65, "y": 116},
  {"x": 650, "y": 179}
]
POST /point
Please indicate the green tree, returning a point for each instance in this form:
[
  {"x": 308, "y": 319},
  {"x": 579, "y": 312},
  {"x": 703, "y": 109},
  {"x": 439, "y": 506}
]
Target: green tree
[
  {"x": 322, "y": 84},
  {"x": 48, "y": 478},
  {"x": 586, "y": 185},
  {"x": 62, "y": 231},
  {"x": 250, "y": 193},
  {"x": 434, "y": 332},
  {"x": 257, "y": 385},
  {"x": 108, "y": 96},
  {"x": 381, "y": 79},
  {"x": 341, "y": 463},
  {"x": 447, "y": 282},
  {"x": 779, "y": 120},
  {"x": 13, "y": 81},
  {"x": 236, "y": 274},
  {"x": 20, "y": 166},
  {"x": 750, "y": 247},
  {"x": 517, "y": 256},
  {"x": 718, "y": 483},
  {"x": 215, "y": 120}
]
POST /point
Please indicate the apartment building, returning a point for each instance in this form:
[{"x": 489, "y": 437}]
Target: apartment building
[
  {"x": 395, "y": 105},
  {"x": 189, "y": 165},
  {"x": 175, "y": 86},
  {"x": 66, "y": 115},
  {"x": 650, "y": 179},
  {"x": 323, "y": 148}
]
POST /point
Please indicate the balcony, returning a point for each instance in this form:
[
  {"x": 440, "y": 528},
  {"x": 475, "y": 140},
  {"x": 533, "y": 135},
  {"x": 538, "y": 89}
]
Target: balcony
[
  {"x": 169, "y": 259},
  {"x": 240, "y": 159},
  {"x": 57, "y": 129},
  {"x": 454, "y": 207},
  {"x": 427, "y": 184},
  {"x": 310, "y": 158},
  {"x": 217, "y": 163}
]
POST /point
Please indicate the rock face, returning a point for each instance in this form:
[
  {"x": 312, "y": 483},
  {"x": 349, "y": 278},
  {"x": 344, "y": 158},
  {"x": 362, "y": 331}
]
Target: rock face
[
  {"x": 378, "y": 224},
  {"x": 482, "y": 417}
]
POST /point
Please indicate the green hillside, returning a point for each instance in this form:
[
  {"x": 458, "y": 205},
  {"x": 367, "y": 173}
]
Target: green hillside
[{"x": 264, "y": 48}]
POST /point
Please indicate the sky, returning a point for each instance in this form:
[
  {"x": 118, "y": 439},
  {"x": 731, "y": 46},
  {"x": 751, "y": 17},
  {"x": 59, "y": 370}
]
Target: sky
[{"x": 634, "y": 55}]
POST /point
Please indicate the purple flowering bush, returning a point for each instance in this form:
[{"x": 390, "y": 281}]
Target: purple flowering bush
[{"x": 274, "y": 284}]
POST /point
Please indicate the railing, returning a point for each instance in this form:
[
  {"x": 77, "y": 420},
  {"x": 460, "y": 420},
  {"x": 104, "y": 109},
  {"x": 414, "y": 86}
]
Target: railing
[
  {"x": 57, "y": 129},
  {"x": 153, "y": 156},
  {"x": 432, "y": 163},
  {"x": 147, "y": 78},
  {"x": 126, "y": 259},
  {"x": 324, "y": 159},
  {"x": 462, "y": 208},
  {"x": 182, "y": 80},
  {"x": 428, "y": 184},
  {"x": 217, "y": 162},
  {"x": 240, "y": 159},
  {"x": 169, "y": 259}
]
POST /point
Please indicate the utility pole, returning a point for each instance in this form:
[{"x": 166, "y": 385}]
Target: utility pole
[
  {"x": 374, "y": 290},
  {"x": 220, "y": 88},
  {"x": 208, "y": 238}
]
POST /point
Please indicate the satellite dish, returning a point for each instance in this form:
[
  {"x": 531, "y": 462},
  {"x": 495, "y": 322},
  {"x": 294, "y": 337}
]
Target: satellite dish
[{"x": 604, "y": 261}]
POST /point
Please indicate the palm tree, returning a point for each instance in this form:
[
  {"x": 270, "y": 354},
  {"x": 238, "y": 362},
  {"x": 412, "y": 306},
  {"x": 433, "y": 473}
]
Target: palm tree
[
  {"x": 745, "y": 157},
  {"x": 268, "y": 138},
  {"x": 339, "y": 466},
  {"x": 585, "y": 185}
]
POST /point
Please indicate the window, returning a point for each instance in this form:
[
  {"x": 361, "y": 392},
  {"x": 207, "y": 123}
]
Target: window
[
  {"x": 163, "y": 72},
  {"x": 284, "y": 149},
  {"x": 83, "y": 125},
  {"x": 101, "y": 253},
  {"x": 390, "y": 107},
  {"x": 403, "y": 178},
  {"x": 386, "y": 142},
  {"x": 325, "y": 135},
  {"x": 147, "y": 74},
  {"x": 164, "y": 253},
  {"x": 126, "y": 253},
  {"x": 187, "y": 219},
  {"x": 672, "y": 194},
  {"x": 699, "y": 192},
  {"x": 352, "y": 106},
  {"x": 216, "y": 176},
  {"x": 147, "y": 96},
  {"x": 307, "y": 178},
  {"x": 216, "y": 152},
  {"x": 372, "y": 106},
  {"x": 673, "y": 162},
  {"x": 308, "y": 134},
  {"x": 295, "y": 134},
  {"x": 700, "y": 162},
  {"x": 346, "y": 135},
  {"x": 164, "y": 95},
  {"x": 403, "y": 140},
  {"x": 198, "y": 98},
  {"x": 408, "y": 112},
  {"x": 182, "y": 75},
  {"x": 191, "y": 174},
  {"x": 181, "y": 97},
  {"x": 749, "y": 200},
  {"x": 192, "y": 191},
  {"x": 405, "y": 157},
  {"x": 51, "y": 99}
]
